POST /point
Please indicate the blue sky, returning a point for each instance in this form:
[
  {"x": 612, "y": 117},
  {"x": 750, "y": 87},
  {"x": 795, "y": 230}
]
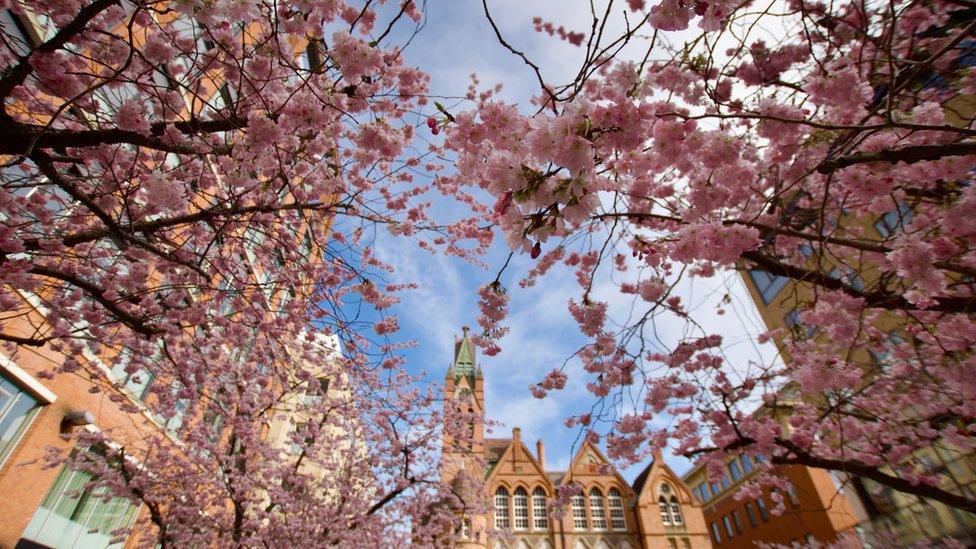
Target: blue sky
[{"x": 455, "y": 42}]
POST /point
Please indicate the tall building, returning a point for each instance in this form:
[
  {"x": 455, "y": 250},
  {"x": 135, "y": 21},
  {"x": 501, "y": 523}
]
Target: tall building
[
  {"x": 824, "y": 505},
  {"x": 39, "y": 410},
  {"x": 816, "y": 507},
  {"x": 828, "y": 504},
  {"x": 607, "y": 512}
]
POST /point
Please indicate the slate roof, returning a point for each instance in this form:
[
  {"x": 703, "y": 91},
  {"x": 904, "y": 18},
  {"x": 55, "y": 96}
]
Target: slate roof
[
  {"x": 642, "y": 478},
  {"x": 495, "y": 447}
]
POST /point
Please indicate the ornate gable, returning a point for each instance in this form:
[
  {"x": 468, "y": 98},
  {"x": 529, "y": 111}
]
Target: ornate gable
[
  {"x": 647, "y": 484},
  {"x": 517, "y": 465},
  {"x": 590, "y": 463}
]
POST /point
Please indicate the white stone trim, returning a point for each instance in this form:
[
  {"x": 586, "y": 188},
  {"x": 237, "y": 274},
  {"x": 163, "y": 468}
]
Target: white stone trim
[{"x": 26, "y": 380}]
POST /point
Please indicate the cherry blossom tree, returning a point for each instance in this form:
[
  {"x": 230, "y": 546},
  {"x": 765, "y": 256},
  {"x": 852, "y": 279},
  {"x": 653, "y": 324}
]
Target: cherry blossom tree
[
  {"x": 189, "y": 194},
  {"x": 827, "y": 146}
]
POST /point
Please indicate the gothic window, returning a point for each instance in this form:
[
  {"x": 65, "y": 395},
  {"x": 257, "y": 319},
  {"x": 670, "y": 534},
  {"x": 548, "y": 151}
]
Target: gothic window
[
  {"x": 540, "y": 514},
  {"x": 520, "y": 504},
  {"x": 464, "y": 529},
  {"x": 665, "y": 513},
  {"x": 579, "y": 512},
  {"x": 616, "y": 503},
  {"x": 669, "y": 506},
  {"x": 597, "y": 512},
  {"x": 501, "y": 509},
  {"x": 676, "y": 517}
]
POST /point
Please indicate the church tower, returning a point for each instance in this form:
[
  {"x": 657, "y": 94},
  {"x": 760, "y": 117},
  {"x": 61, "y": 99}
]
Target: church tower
[{"x": 463, "y": 458}]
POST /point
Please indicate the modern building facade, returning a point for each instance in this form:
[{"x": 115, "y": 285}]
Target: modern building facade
[
  {"x": 514, "y": 504},
  {"x": 816, "y": 507},
  {"x": 827, "y": 505}
]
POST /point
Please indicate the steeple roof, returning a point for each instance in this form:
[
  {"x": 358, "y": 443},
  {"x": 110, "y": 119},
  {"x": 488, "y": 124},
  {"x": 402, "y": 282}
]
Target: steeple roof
[{"x": 464, "y": 356}]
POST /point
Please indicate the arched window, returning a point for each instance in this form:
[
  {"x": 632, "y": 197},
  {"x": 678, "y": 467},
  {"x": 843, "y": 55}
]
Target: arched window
[
  {"x": 665, "y": 512},
  {"x": 579, "y": 512},
  {"x": 676, "y": 517},
  {"x": 597, "y": 512},
  {"x": 669, "y": 506},
  {"x": 617, "y": 519},
  {"x": 464, "y": 529},
  {"x": 501, "y": 509},
  {"x": 520, "y": 504},
  {"x": 540, "y": 512},
  {"x": 664, "y": 504}
]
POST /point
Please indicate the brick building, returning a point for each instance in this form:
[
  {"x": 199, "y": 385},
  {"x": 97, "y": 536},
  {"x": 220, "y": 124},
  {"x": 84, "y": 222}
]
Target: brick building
[
  {"x": 39, "y": 410},
  {"x": 656, "y": 511}
]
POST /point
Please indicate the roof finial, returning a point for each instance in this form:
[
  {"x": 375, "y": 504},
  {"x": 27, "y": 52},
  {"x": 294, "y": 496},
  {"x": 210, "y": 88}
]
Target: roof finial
[{"x": 465, "y": 330}]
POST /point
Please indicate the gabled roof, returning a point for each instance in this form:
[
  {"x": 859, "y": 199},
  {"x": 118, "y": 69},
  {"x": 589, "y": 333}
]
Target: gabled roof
[
  {"x": 592, "y": 449},
  {"x": 642, "y": 477},
  {"x": 555, "y": 477},
  {"x": 658, "y": 468},
  {"x": 513, "y": 446},
  {"x": 495, "y": 448}
]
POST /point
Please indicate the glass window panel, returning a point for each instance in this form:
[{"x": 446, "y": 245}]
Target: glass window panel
[
  {"x": 520, "y": 506},
  {"x": 746, "y": 463},
  {"x": 716, "y": 537},
  {"x": 769, "y": 285},
  {"x": 597, "y": 512},
  {"x": 540, "y": 512},
  {"x": 751, "y": 514},
  {"x": 676, "y": 516},
  {"x": 579, "y": 512},
  {"x": 728, "y": 526},
  {"x": 737, "y": 521},
  {"x": 702, "y": 491},
  {"x": 501, "y": 509},
  {"x": 617, "y": 518},
  {"x": 893, "y": 220},
  {"x": 17, "y": 408},
  {"x": 761, "y": 504},
  {"x": 66, "y": 493},
  {"x": 734, "y": 470}
]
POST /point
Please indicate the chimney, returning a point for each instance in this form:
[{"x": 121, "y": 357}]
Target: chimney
[
  {"x": 540, "y": 452},
  {"x": 517, "y": 434}
]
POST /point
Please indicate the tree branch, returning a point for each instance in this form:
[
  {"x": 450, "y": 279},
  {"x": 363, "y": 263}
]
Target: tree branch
[
  {"x": 867, "y": 471},
  {"x": 909, "y": 155},
  {"x": 22, "y": 139},
  {"x": 23, "y": 69}
]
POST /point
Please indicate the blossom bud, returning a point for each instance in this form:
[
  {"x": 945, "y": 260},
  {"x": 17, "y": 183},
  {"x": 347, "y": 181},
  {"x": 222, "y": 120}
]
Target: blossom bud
[{"x": 536, "y": 250}]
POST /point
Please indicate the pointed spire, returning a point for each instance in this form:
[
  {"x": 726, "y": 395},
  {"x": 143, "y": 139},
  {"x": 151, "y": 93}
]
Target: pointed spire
[{"x": 464, "y": 355}]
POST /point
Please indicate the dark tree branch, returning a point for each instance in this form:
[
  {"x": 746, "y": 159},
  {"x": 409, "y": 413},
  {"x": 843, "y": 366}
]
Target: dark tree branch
[
  {"x": 209, "y": 215},
  {"x": 877, "y": 299},
  {"x": 23, "y": 69},
  {"x": 856, "y": 468},
  {"x": 98, "y": 294},
  {"x": 18, "y": 138},
  {"x": 909, "y": 155}
]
